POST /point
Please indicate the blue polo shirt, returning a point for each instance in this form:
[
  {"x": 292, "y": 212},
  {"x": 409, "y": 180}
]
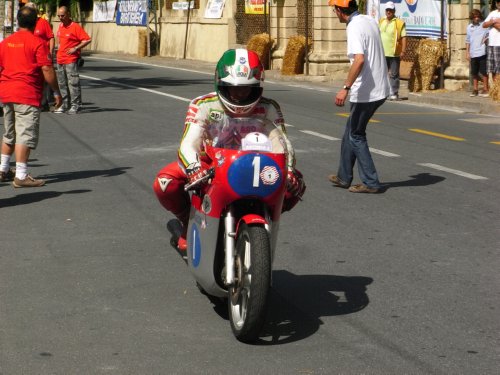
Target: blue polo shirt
[{"x": 476, "y": 36}]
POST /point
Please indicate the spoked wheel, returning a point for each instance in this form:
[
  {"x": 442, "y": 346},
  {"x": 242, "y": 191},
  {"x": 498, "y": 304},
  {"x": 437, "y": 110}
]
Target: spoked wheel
[{"x": 247, "y": 300}]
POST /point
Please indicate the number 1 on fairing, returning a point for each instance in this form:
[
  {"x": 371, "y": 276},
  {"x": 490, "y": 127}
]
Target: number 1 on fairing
[{"x": 256, "y": 171}]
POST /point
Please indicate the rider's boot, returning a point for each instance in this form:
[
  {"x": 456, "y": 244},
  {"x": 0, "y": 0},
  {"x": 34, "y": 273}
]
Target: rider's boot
[{"x": 183, "y": 218}]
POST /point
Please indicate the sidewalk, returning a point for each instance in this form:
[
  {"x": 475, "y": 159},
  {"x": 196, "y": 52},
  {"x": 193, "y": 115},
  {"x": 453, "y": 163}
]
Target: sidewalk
[{"x": 455, "y": 100}]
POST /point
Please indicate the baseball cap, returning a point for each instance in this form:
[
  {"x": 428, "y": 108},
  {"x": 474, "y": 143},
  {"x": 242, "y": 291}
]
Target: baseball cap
[
  {"x": 339, "y": 3},
  {"x": 390, "y": 5}
]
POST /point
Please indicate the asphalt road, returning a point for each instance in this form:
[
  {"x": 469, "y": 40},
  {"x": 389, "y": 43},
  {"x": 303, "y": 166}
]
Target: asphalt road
[{"x": 404, "y": 282}]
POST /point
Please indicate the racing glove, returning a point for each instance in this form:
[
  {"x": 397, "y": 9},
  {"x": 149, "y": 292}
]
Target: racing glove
[{"x": 294, "y": 190}]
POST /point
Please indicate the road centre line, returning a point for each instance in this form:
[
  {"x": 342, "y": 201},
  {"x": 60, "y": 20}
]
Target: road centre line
[
  {"x": 439, "y": 135},
  {"x": 136, "y": 87},
  {"x": 310, "y": 132},
  {"x": 453, "y": 171},
  {"x": 384, "y": 153},
  {"x": 330, "y": 138},
  {"x": 495, "y": 142}
]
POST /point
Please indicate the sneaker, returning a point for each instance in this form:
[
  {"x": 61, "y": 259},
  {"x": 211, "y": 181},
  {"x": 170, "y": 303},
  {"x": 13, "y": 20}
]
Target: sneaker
[
  {"x": 27, "y": 182},
  {"x": 484, "y": 94},
  {"x": 394, "y": 97},
  {"x": 8, "y": 176},
  {"x": 73, "y": 111},
  {"x": 360, "y": 188},
  {"x": 473, "y": 93},
  {"x": 337, "y": 181},
  {"x": 182, "y": 244},
  {"x": 61, "y": 109}
]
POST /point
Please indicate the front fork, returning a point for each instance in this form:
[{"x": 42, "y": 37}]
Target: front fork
[
  {"x": 230, "y": 240},
  {"x": 230, "y": 236}
]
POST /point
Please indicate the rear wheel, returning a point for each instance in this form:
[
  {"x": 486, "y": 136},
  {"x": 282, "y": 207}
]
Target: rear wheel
[{"x": 247, "y": 300}]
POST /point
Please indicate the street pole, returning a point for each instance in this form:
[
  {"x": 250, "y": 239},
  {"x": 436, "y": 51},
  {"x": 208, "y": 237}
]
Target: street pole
[
  {"x": 441, "y": 73},
  {"x": 307, "y": 37},
  {"x": 187, "y": 28}
]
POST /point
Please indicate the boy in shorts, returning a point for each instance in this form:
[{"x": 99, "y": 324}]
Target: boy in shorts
[{"x": 475, "y": 43}]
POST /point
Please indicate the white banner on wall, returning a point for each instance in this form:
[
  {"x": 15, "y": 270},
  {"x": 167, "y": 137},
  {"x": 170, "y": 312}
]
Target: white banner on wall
[
  {"x": 422, "y": 17},
  {"x": 104, "y": 11},
  {"x": 214, "y": 8}
]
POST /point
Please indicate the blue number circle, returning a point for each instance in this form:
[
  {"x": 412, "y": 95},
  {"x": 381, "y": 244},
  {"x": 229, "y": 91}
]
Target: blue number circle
[{"x": 255, "y": 175}]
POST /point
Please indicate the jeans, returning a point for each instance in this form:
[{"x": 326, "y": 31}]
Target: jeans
[
  {"x": 69, "y": 85},
  {"x": 355, "y": 146},
  {"x": 393, "y": 64}
]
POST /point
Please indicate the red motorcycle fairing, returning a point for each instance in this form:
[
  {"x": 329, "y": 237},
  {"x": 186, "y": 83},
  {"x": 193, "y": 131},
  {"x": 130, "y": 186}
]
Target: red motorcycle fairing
[{"x": 265, "y": 182}]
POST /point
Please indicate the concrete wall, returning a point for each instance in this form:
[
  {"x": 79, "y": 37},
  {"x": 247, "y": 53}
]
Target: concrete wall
[{"x": 206, "y": 39}]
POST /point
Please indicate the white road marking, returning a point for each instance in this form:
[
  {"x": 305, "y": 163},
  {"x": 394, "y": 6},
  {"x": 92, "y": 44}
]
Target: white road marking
[
  {"x": 453, "y": 171},
  {"x": 149, "y": 64},
  {"x": 136, "y": 87},
  {"x": 384, "y": 153},
  {"x": 320, "y": 135}
]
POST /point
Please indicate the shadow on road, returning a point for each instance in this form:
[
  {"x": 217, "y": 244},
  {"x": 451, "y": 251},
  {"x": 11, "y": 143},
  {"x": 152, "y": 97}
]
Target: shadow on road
[
  {"x": 78, "y": 175},
  {"x": 297, "y": 303},
  {"x": 421, "y": 179},
  {"x": 35, "y": 196}
]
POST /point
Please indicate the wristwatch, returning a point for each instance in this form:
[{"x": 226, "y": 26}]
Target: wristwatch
[{"x": 347, "y": 88}]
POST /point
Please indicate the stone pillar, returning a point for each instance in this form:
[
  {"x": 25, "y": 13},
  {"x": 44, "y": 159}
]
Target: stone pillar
[{"x": 456, "y": 75}]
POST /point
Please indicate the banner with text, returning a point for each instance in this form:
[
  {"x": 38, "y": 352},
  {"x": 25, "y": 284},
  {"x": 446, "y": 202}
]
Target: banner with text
[
  {"x": 104, "y": 11},
  {"x": 132, "y": 12},
  {"x": 422, "y": 17},
  {"x": 256, "y": 6}
]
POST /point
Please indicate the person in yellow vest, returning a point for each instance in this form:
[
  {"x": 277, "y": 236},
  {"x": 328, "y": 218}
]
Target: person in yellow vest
[{"x": 393, "y": 33}]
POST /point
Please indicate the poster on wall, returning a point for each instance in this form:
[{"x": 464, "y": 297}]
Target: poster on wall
[
  {"x": 214, "y": 8},
  {"x": 104, "y": 11},
  {"x": 422, "y": 17},
  {"x": 256, "y": 6},
  {"x": 132, "y": 13},
  {"x": 183, "y": 5},
  {"x": 9, "y": 13}
]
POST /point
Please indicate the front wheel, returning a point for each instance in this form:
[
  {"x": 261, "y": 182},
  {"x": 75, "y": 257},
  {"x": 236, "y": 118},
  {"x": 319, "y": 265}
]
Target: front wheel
[{"x": 247, "y": 300}]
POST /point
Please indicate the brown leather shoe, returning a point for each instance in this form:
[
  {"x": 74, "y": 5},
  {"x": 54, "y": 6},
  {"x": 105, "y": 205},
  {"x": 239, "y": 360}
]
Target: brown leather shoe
[
  {"x": 8, "y": 176},
  {"x": 337, "y": 181},
  {"x": 27, "y": 182},
  {"x": 360, "y": 188}
]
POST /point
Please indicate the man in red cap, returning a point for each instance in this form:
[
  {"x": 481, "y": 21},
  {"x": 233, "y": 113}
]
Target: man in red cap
[{"x": 368, "y": 86}]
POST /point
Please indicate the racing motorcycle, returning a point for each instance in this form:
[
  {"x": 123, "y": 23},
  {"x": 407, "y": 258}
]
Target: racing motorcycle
[{"x": 234, "y": 219}]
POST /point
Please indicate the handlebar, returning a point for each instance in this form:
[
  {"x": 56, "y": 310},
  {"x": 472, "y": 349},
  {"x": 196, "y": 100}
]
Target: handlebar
[{"x": 210, "y": 174}]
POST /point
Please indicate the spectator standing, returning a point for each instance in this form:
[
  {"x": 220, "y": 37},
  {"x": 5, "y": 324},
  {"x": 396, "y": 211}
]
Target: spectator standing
[
  {"x": 72, "y": 38},
  {"x": 368, "y": 84},
  {"x": 393, "y": 33},
  {"x": 43, "y": 30},
  {"x": 492, "y": 22},
  {"x": 24, "y": 64},
  {"x": 476, "y": 52}
]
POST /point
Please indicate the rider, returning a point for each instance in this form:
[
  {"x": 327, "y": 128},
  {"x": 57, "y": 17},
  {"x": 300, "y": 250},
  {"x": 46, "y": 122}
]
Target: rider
[{"x": 238, "y": 83}]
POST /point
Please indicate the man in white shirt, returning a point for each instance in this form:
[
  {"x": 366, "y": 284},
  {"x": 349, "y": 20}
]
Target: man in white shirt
[
  {"x": 368, "y": 85},
  {"x": 493, "y": 23}
]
